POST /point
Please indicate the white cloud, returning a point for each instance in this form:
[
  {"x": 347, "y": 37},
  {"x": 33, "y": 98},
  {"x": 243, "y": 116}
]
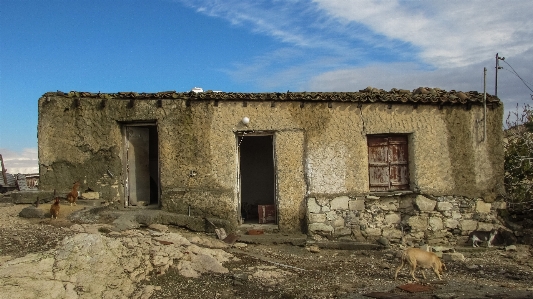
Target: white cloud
[
  {"x": 24, "y": 162},
  {"x": 448, "y": 33}
]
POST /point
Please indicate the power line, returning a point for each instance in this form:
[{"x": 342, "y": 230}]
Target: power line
[
  {"x": 516, "y": 74},
  {"x": 526, "y": 82}
]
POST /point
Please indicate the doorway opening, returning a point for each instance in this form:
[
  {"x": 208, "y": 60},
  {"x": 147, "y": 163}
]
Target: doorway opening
[
  {"x": 141, "y": 165},
  {"x": 257, "y": 178}
]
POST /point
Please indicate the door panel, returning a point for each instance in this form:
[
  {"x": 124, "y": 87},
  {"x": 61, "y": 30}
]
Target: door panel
[{"x": 378, "y": 165}]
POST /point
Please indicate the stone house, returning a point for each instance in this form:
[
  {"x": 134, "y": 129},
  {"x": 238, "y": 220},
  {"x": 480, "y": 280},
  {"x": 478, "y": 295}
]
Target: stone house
[{"x": 423, "y": 164}]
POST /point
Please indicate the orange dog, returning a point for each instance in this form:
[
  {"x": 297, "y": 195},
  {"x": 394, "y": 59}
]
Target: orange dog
[{"x": 422, "y": 258}]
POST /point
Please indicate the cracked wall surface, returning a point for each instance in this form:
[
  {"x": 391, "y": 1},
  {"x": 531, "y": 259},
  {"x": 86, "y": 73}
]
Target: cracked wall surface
[{"x": 320, "y": 149}]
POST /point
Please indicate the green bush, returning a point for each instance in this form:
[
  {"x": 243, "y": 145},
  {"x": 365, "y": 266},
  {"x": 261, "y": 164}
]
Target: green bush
[{"x": 519, "y": 155}]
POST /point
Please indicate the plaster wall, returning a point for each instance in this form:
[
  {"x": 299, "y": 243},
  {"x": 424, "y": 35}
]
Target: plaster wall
[{"x": 320, "y": 151}]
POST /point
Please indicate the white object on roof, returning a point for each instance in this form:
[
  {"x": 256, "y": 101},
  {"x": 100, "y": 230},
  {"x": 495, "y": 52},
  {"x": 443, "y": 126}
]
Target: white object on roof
[{"x": 197, "y": 89}]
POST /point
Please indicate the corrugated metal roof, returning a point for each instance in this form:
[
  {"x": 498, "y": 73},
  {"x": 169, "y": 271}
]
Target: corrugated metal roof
[{"x": 422, "y": 95}]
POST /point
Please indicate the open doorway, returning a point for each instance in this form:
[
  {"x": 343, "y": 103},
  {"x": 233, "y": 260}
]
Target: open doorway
[
  {"x": 141, "y": 165},
  {"x": 257, "y": 178}
]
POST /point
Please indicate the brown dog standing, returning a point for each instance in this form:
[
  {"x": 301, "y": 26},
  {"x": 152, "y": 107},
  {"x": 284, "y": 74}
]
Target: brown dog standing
[{"x": 418, "y": 257}]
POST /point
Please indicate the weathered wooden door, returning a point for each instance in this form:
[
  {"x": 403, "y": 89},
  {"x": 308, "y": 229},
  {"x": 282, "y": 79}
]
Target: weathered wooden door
[
  {"x": 388, "y": 163},
  {"x": 138, "y": 165},
  {"x": 398, "y": 154}
]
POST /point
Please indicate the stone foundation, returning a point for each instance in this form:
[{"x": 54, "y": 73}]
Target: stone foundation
[{"x": 400, "y": 218}]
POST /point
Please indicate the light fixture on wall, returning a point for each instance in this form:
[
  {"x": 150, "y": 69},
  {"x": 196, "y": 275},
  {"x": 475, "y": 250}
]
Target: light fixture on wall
[{"x": 245, "y": 120}]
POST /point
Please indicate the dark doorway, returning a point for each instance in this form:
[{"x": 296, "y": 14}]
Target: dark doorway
[
  {"x": 257, "y": 179},
  {"x": 142, "y": 165}
]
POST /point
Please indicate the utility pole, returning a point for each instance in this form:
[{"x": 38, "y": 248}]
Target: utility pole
[
  {"x": 498, "y": 67},
  {"x": 485, "y": 104}
]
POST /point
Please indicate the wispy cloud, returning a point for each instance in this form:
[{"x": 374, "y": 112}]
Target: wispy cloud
[
  {"x": 308, "y": 41},
  {"x": 339, "y": 44},
  {"x": 448, "y": 33},
  {"x": 21, "y": 162},
  {"x": 272, "y": 18}
]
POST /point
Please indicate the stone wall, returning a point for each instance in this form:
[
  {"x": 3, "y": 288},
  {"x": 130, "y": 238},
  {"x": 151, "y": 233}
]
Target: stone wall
[{"x": 407, "y": 218}]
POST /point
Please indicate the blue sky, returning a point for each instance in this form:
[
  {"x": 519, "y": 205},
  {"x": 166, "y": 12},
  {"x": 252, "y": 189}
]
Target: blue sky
[{"x": 251, "y": 46}]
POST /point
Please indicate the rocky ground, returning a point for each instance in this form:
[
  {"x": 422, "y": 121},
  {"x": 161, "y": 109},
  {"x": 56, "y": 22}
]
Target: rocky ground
[{"x": 44, "y": 258}]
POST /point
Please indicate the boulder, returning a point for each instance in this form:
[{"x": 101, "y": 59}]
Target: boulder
[
  {"x": 425, "y": 204},
  {"x": 444, "y": 206},
  {"x": 453, "y": 256},
  {"x": 31, "y": 212},
  {"x": 312, "y": 206},
  {"x": 483, "y": 207},
  {"x": 356, "y": 205},
  {"x": 418, "y": 223},
  {"x": 340, "y": 203}
]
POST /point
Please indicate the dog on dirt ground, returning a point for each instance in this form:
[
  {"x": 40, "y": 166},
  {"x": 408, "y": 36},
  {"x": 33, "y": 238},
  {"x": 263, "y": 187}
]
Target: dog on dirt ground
[
  {"x": 417, "y": 257},
  {"x": 478, "y": 236}
]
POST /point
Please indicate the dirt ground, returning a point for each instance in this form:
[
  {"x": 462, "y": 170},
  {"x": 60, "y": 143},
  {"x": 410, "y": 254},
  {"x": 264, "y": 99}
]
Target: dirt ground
[{"x": 295, "y": 272}]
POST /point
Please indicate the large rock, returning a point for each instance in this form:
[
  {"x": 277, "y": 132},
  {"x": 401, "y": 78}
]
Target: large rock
[
  {"x": 392, "y": 233},
  {"x": 468, "y": 225},
  {"x": 393, "y": 218},
  {"x": 444, "y": 206},
  {"x": 317, "y": 218},
  {"x": 484, "y": 226},
  {"x": 435, "y": 223},
  {"x": 356, "y": 205},
  {"x": 425, "y": 204},
  {"x": 373, "y": 232},
  {"x": 387, "y": 204},
  {"x": 117, "y": 267},
  {"x": 453, "y": 256},
  {"x": 418, "y": 223},
  {"x": 452, "y": 223},
  {"x": 90, "y": 195},
  {"x": 29, "y": 197},
  {"x": 320, "y": 228},
  {"x": 31, "y": 212},
  {"x": 343, "y": 231},
  {"x": 126, "y": 222},
  {"x": 340, "y": 203},
  {"x": 312, "y": 206},
  {"x": 406, "y": 204},
  {"x": 483, "y": 207}
]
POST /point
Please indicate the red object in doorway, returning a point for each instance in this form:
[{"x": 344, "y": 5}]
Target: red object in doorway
[{"x": 267, "y": 213}]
